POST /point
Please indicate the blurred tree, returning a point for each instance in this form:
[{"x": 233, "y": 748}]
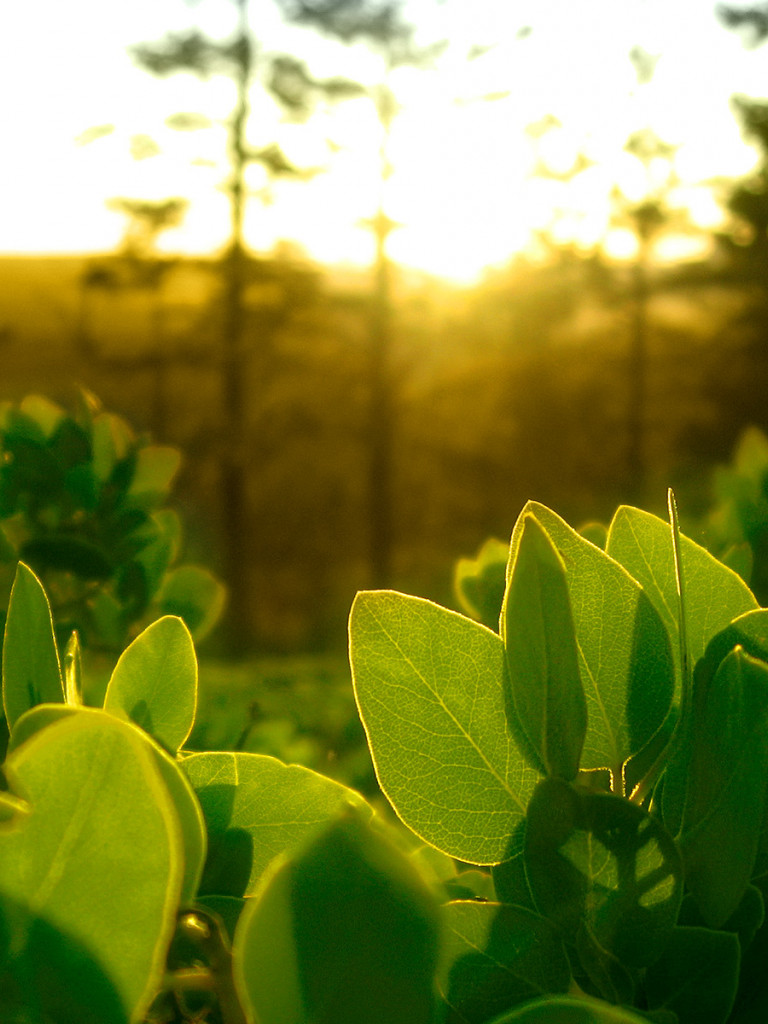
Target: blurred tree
[
  {"x": 289, "y": 81},
  {"x": 137, "y": 266},
  {"x": 738, "y": 379},
  {"x": 381, "y": 25}
]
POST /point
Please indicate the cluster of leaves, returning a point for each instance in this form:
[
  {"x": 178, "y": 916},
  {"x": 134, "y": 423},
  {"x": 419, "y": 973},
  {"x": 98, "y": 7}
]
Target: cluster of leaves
[
  {"x": 139, "y": 881},
  {"x": 736, "y": 526},
  {"x": 604, "y": 750},
  {"x": 82, "y": 502},
  {"x": 586, "y": 786}
]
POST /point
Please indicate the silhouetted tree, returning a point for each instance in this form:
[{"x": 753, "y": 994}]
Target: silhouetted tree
[
  {"x": 381, "y": 25},
  {"x": 288, "y": 79}
]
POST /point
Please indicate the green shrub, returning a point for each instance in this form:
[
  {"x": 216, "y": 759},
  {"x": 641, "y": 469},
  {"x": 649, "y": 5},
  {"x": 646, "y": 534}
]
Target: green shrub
[{"x": 83, "y": 503}]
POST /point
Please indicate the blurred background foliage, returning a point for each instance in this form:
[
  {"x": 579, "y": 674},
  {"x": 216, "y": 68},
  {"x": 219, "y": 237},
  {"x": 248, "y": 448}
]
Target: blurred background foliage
[{"x": 351, "y": 427}]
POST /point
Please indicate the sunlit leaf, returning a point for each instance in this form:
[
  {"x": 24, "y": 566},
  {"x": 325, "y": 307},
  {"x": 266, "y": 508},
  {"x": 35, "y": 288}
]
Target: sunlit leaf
[
  {"x": 189, "y": 813},
  {"x": 89, "y": 919},
  {"x": 430, "y": 688},
  {"x": 714, "y": 593},
  {"x": 154, "y": 683},
  {"x": 479, "y": 582},
  {"x": 73, "y": 671},
  {"x": 542, "y": 656},
  {"x": 624, "y": 652},
  {"x": 31, "y": 669},
  {"x": 255, "y": 808}
]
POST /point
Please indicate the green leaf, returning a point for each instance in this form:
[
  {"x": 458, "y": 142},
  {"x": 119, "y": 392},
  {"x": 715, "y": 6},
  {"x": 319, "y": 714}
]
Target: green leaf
[
  {"x": 542, "y": 656},
  {"x": 111, "y": 440},
  {"x": 73, "y": 671},
  {"x": 196, "y": 596},
  {"x": 80, "y": 905},
  {"x": 745, "y": 921},
  {"x": 624, "y": 652},
  {"x": 714, "y": 594},
  {"x": 46, "y": 414},
  {"x": 749, "y": 631},
  {"x": 156, "y": 466},
  {"x": 496, "y": 956},
  {"x": 595, "y": 861},
  {"x": 724, "y": 758},
  {"x": 345, "y": 931},
  {"x": 510, "y": 879},
  {"x": 696, "y": 976},
  {"x": 31, "y": 669},
  {"x": 479, "y": 582},
  {"x": 255, "y": 808},
  {"x": 155, "y": 683},
  {"x": 107, "y": 617},
  {"x": 569, "y": 1010},
  {"x": 185, "y": 802},
  {"x": 430, "y": 688}
]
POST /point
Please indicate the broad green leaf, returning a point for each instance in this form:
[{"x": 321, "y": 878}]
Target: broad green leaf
[
  {"x": 344, "y": 931},
  {"x": 569, "y": 1010},
  {"x": 598, "y": 863},
  {"x": 430, "y": 688},
  {"x": 624, "y": 652},
  {"x": 195, "y": 595},
  {"x": 724, "y": 758},
  {"x": 479, "y": 582},
  {"x": 92, "y": 876},
  {"x": 184, "y": 800},
  {"x": 155, "y": 683},
  {"x": 255, "y": 808},
  {"x": 696, "y": 976},
  {"x": 31, "y": 669},
  {"x": 542, "y": 656},
  {"x": 495, "y": 956},
  {"x": 714, "y": 594}
]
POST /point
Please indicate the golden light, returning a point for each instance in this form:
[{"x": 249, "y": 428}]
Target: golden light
[{"x": 462, "y": 185}]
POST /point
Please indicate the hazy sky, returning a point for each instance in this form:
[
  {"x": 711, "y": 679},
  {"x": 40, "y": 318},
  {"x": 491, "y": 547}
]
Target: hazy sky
[{"x": 462, "y": 186}]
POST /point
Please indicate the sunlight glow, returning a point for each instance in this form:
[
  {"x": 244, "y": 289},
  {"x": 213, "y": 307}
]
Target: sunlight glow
[{"x": 466, "y": 186}]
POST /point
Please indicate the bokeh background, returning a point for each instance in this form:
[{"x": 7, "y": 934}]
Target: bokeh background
[{"x": 386, "y": 270}]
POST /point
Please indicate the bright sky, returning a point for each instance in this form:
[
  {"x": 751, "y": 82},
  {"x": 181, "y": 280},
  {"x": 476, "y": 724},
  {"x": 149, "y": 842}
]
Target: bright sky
[{"x": 463, "y": 186}]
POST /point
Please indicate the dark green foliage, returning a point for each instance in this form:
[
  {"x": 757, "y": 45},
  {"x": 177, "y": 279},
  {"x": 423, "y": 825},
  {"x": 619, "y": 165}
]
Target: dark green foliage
[{"x": 82, "y": 503}]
